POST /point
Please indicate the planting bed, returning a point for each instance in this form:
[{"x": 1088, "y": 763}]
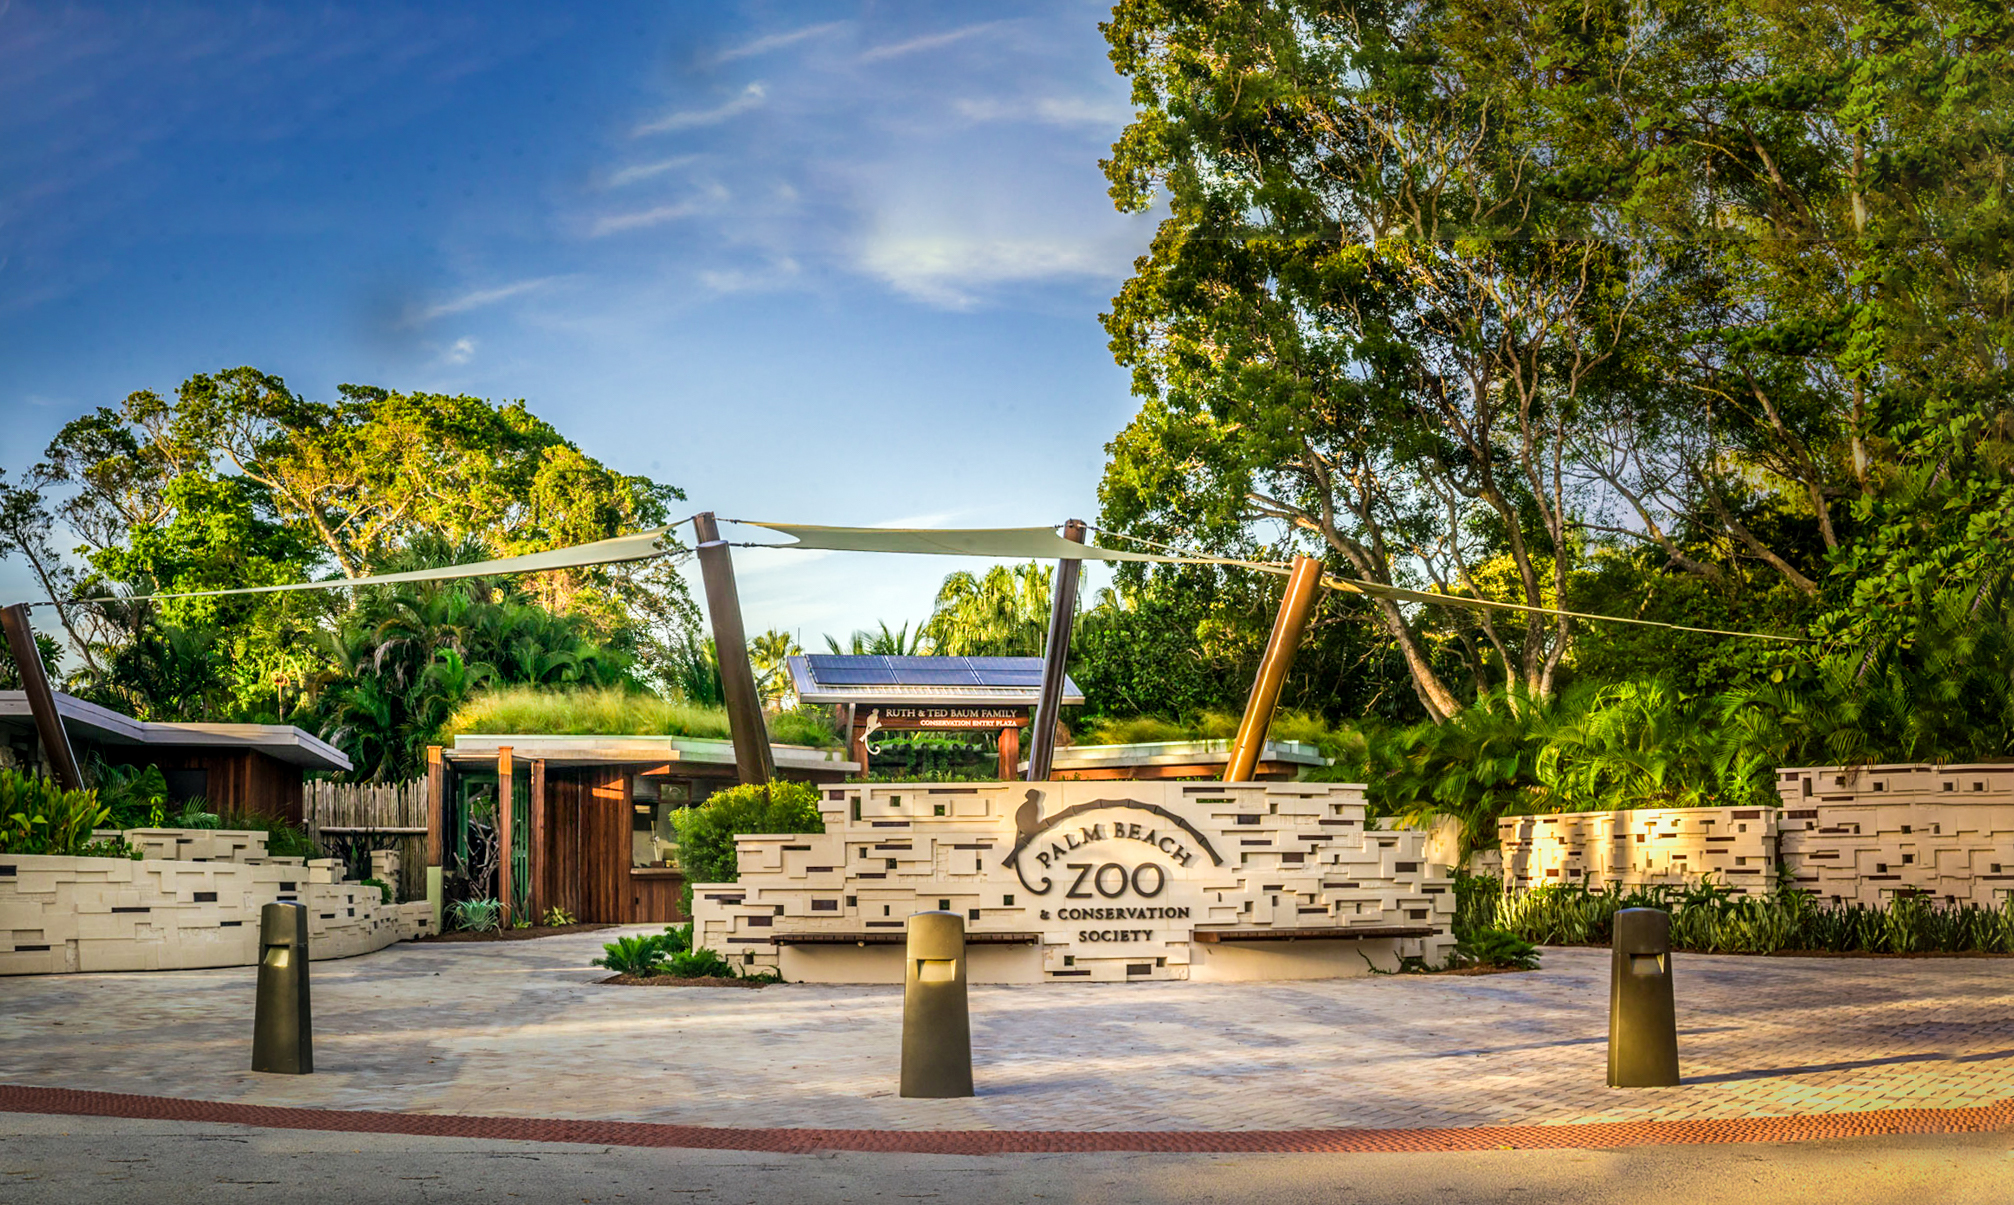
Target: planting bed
[{"x": 514, "y": 934}]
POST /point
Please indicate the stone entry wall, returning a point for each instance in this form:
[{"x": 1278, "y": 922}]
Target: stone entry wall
[
  {"x": 114, "y": 914},
  {"x": 1112, "y": 882},
  {"x": 1845, "y": 834},
  {"x": 1864, "y": 834},
  {"x": 1643, "y": 848}
]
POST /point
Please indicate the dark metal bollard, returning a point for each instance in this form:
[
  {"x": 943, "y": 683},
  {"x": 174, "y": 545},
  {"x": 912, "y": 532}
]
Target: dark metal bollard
[
  {"x": 283, "y": 1037},
  {"x": 1642, "y": 1016},
  {"x": 936, "y": 1026}
]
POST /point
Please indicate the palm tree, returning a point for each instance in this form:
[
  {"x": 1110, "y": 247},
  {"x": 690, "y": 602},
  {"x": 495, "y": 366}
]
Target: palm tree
[
  {"x": 1003, "y": 614},
  {"x": 884, "y": 643},
  {"x": 770, "y": 653}
]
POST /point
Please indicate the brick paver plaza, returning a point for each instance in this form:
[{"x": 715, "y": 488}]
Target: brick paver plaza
[{"x": 522, "y": 1029}]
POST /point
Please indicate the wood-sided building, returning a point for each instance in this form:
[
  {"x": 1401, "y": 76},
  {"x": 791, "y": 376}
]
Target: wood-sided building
[
  {"x": 253, "y": 769},
  {"x": 589, "y": 822}
]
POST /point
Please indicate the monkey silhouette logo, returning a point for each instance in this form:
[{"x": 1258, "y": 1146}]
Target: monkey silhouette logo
[{"x": 1028, "y": 817}]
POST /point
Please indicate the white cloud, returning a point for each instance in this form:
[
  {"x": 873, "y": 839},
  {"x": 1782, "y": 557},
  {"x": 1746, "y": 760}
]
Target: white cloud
[
  {"x": 644, "y": 171},
  {"x": 948, "y": 269},
  {"x": 1049, "y": 110},
  {"x": 778, "y": 41},
  {"x": 928, "y": 42},
  {"x": 461, "y": 351},
  {"x": 616, "y": 223},
  {"x": 476, "y": 300},
  {"x": 751, "y": 97}
]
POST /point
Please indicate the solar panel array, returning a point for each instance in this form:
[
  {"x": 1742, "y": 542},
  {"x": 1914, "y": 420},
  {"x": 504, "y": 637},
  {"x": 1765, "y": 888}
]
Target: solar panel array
[{"x": 844, "y": 670}]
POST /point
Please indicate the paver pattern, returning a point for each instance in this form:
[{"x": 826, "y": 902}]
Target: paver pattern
[{"x": 523, "y": 1030}]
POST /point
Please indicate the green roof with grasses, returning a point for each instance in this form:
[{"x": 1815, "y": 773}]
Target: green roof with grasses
[{"x": 526, "y": 710}]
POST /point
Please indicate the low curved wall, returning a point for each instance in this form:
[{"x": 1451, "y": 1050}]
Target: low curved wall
[{"x": 113, "y": 914}]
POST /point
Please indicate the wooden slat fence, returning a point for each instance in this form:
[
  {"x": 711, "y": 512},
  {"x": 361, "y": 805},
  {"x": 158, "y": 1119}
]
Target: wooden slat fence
[{"x": 342, "y": 815}]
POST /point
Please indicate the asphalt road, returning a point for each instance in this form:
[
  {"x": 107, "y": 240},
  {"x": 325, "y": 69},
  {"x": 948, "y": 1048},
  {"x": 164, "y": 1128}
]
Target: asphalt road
[{"x": 75, "y": 1160}]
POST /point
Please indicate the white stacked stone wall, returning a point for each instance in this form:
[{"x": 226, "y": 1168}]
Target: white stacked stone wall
[
  {"x": 1845, "y": 834},
  {"x": 60, "y": 914},
  {"x": 1647, "y": 847},
  {"x": 1865, "y": 834}
]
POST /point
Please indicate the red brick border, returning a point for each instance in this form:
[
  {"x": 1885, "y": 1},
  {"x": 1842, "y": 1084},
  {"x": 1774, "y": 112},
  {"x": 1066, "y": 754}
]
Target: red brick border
[{"x": 67, "y": 1101}]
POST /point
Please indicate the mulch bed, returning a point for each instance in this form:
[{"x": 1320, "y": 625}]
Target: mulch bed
[
  {"x": 1482, "y": 971},
  {"x": 514, "y": 934},
  {"x": 675, "y": 981}
]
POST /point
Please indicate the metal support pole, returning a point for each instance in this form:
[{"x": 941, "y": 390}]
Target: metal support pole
[
  {"x": 752, "y": 758},
  {"x": 1302, "y": 586},
  {"x": 1055, "y": 656},
  {"x": 41, "y": 699}
]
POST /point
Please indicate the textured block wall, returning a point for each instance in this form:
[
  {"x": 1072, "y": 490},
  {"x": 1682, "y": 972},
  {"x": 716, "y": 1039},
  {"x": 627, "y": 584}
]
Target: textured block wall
[
  {"x": 1865, "y": 834},
  {"x": 1642, "y": 848},
  {"x": 113, "y": 914},
  {"x": 1291, "y": 856}
]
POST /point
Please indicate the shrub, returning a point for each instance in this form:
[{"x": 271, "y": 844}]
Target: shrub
[
  {"x": 645, "y": 954},
  {"x": 556, "y": 917},
  {"x": 477, "y": 916},
  {"x": 39, "y": 817},
  {"x": 134, "y": 795},
  {"x": 109, "y": 847},
  {"x": 701, "y": 964},
  {"x": 1496, "y": 948},
  {"x": 384, "y": 888},
  {"x": 706, "y": 833},
  {"x": 1708, "y": 918}
]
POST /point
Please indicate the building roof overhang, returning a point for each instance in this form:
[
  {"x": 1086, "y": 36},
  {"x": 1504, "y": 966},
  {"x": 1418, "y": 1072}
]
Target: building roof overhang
[
  {"x": 102, "y": 725},
  {"x": 572, "y": 750}
]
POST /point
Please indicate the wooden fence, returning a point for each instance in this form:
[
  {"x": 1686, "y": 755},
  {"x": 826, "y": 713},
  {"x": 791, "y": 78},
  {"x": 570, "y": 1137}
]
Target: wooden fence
[{"x": 345, "y": 819}]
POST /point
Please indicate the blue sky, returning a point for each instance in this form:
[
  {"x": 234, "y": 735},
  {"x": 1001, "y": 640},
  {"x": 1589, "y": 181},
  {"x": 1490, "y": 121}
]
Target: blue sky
[{"x": 816, "y": 262}]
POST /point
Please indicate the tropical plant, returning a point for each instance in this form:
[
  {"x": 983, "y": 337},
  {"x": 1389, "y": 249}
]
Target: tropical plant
[
  {"x": 1495, "y": 948},
  {"x": 640, "y": 956},
  {"x": 1003, "y": 613},
  {"x": 647, "y": 954},
  {"x": 477, "y": 915},
  {"x": 133, "y": 795},
  {"x": 39, "y": 817},
  {"x": 701, "y": 964},
  {"x": 882, "y": 643},
  {"x": 557, "y": 917},
  {"x": 769, "y": 654}
]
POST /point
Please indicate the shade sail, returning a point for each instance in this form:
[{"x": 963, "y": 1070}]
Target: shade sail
[
  {"x": 640, "y": 546},
  {"x": 1020, "y": 543}
]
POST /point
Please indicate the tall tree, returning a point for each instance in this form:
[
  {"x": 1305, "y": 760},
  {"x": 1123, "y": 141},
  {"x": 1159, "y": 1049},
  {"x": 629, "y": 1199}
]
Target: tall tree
[{"x": 1002, "y": 613}]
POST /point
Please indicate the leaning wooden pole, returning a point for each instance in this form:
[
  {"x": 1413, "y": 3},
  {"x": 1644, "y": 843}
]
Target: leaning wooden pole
[
  {"x": 737, "y": 678},
  {"x": 1055, "y": 655},
  {"x": 1302, "y": 586},
  {"x": 56, "y": 749}
]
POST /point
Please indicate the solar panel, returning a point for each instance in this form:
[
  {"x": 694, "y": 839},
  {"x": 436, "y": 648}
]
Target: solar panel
[{"x": 843, "y": 670}]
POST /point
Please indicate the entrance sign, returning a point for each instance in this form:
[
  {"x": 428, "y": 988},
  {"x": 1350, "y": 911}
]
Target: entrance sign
[{"x": 1070, "y": 881}]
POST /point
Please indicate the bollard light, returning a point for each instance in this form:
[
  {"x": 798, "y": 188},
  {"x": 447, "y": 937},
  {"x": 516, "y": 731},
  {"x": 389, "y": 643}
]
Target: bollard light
[
  {"x": 1642, "y": 1014},
  {"x": 283, "y": 1039},
  {"x": 936, "y": 1026}
]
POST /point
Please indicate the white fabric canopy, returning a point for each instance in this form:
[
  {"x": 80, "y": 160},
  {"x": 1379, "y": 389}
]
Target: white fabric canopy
[
  {"x": 1017, "y": 543},
  {"x": 641, "y": 546}
]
